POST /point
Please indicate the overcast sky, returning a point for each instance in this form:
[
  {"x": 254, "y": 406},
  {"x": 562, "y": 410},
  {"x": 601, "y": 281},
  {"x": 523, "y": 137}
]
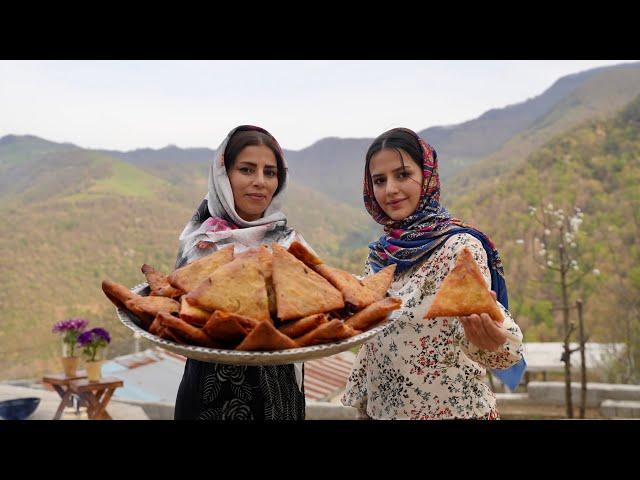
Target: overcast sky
[{"x": 125, "y": 105}]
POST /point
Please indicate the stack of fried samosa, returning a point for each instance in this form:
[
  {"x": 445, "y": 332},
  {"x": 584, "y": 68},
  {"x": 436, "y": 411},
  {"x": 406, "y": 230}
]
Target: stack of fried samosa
[{"x": 259, "y": 299}]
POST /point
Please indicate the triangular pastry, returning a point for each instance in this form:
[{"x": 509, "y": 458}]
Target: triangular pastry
[
  {"x": 299, "y": 290},
  {"x": 352, "y": 290},
  {"x": 266, "y": 337},
  {"x": 190, "y": 276},
  {"x": 236, "y": 287},
  {"x": 380, "y": 282},
  {"x": 464, "y": 292}
]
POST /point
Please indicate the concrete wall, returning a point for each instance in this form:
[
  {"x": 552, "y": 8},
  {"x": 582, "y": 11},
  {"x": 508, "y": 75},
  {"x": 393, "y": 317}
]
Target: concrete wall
[
  {"x": 155, "y": 411},
  {"x": 620, "y": 409},
  {"x": 553, "y": 393},
  {"x": 329, "y": 411}
]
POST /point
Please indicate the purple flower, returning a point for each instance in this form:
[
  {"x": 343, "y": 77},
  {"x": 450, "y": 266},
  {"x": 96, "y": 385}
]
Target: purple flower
[
  {"x": 85, "y": 338},
  {"x": 64, "y": 326},
  {"x": 70, "y": 329},
  {"x": 92, "y": 341},
  {"x": 102, "y": 333}
]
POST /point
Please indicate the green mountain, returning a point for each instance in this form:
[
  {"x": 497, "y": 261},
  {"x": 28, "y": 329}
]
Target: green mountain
[
  {"x": 72, "y": 217},
  {"x": 465, "y": 143},
  {"x": 597, "y": 97}
]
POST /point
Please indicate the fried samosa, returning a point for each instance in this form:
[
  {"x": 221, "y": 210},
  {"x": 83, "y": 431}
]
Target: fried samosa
[
  {"x": 236, "y": 287},
  {"x": 374, "y": 313},
  {"x": 302, "y": 253},
  {"x": 266, "y": 337},
  {"x": 464, "y": 292},
  {"x": 188, "y": 278},
  {"x": 331, "y": 331},
  {"x": 265, "y": 261},
  {"x": 263, "y": 256},
  {"x": 146, "y": 308},
  {"x": 163, "y": 332},
  {"x": 299, "y": 290},
  {"x": 354, "y": 293},
  {"x": 159, "y": 284},
  {"x": 229, "y": 327},
  {"x": 193, "y": 335},
  {"x": 380, "y": 282},
  {"x": 193, "y": 315},
  {"x": 117, "y": 293},
  {"x": 300, "y": 327}
]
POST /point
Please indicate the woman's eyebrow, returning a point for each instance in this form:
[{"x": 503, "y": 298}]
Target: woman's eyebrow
[
  {"x": 406, "y": 167},
  {"x": 250, "y": 164}
]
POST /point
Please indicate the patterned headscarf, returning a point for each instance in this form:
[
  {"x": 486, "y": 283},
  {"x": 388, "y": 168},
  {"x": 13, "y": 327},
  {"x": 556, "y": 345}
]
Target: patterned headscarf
[{"x": 412, "y": 240}]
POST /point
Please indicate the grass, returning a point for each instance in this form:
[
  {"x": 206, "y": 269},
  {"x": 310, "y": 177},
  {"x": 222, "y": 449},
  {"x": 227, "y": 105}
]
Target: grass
[{"x": 125, "y": 180}]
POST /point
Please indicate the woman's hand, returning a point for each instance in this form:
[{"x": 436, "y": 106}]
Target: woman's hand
[{"x": 484, "y": 332}]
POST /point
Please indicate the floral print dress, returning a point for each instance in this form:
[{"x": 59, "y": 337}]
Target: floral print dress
[{"x": 421, "y": 369}]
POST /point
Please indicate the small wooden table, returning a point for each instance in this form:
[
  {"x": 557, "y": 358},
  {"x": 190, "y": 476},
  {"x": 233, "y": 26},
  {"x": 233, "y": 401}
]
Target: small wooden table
[
  {"x": 95, "y": 395},
  {"x": 62, "y": 384}
]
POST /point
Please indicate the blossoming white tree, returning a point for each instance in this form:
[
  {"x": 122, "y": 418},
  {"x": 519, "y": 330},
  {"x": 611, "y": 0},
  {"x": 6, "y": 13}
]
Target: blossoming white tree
[{"x": 557, "y": 252}]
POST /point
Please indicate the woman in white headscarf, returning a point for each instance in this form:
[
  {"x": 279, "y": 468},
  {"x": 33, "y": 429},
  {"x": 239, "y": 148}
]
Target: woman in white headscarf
[{"x": 247, "y": 181}]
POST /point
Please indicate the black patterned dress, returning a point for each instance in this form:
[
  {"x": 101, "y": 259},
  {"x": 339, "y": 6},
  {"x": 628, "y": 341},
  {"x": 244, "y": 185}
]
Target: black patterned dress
[{"x": 214, "y": 391}]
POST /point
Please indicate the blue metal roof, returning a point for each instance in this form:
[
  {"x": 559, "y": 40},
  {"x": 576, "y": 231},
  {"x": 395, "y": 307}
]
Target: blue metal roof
[{"x": 149, "y": 376}]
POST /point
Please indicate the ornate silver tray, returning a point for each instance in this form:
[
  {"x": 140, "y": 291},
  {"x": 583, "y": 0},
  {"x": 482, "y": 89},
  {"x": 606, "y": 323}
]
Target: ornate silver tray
[{"x": 236, "y": 357}]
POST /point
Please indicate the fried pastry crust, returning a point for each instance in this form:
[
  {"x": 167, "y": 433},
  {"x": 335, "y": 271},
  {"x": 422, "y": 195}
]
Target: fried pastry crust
[
  {"x": 300, "y": 327},
  {"x": 374, "y": 313},
  {"x": 266, "y": 337},
  {"x": 380, "y": 282},
  {"x": 302, "y": 253},
  {"x": 352, "y": 290},
  {"x": 190, "y": 276},
  {"x": 117, "y": 293},
  {"x": 299, "y": 290},
  {"x": 193, "y": 335},
  {"x": 229, "y": 327},
  {"x": 464, "y": 292},
  {"x": 193, "y": 315},
  {"x": 328, "y": 332},
  {"x": 237, "y": 287},
  {"x": 146, "y": 308},
  {"x": 159, "y": 284}
]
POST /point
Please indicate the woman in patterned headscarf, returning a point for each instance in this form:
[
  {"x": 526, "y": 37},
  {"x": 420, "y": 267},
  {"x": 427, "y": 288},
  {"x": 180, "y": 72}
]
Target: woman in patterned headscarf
[
  {"x": 435, "y": 368},
  {"x": 247, "y": 182}
]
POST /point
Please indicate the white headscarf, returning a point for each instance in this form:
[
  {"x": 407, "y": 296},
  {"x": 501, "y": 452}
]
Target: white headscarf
[{"x": 217, "y": 222}]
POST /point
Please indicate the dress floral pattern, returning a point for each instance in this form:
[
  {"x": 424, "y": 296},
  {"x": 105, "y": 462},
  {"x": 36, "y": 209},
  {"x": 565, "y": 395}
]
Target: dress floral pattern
[{"x": 427, "y": 369}]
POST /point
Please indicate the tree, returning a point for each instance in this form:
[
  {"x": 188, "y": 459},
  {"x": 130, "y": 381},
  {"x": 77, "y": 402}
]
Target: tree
[{"x": 559, "y": 258}]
